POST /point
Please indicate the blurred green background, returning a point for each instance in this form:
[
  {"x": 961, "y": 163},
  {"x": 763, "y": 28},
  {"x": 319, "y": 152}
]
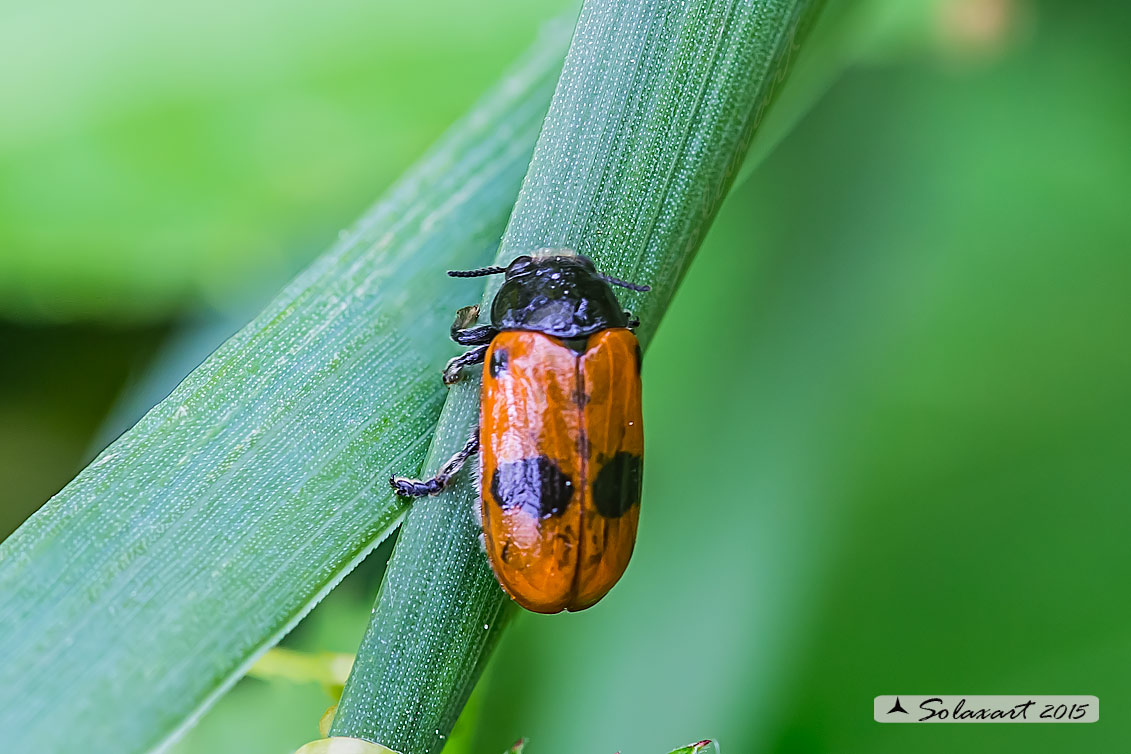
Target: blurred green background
[{"x": 889, "y": 424}]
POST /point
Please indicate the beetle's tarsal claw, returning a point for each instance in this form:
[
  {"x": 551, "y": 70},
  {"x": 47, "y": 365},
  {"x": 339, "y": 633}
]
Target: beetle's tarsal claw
[{"x": 452, "y": 372}]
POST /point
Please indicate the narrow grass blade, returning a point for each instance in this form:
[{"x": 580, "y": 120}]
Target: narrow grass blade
[
  {"x": 650, "y": 120},
  {"x": 330, "y": 669},
  {"x": 699, "y": 747}
]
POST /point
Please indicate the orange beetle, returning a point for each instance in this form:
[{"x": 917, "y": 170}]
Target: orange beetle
[{"x": 560, "y": 436}]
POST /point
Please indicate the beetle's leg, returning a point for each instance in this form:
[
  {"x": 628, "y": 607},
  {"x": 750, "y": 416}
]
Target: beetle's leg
[
  {"x": 465, "y": 332},
  {"x": 474, "y": 356},
  {"x": 417, "y": 488},
  {"x": 474, "y": 336},
  {"x": 633, "y": 320}
]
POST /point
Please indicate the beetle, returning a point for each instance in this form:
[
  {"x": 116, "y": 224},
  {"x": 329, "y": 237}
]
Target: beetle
[{"x": 560, "y": 436}]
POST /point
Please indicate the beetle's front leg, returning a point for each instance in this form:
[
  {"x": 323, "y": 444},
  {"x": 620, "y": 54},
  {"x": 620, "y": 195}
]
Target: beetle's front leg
[
  {"x": 474, "y": 356},
  {"x": 465, "y": 332},
  {"x": 419, "y": 488}
]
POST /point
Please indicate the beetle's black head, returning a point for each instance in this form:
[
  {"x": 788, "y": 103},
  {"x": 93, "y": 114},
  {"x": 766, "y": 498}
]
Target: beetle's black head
[{"x": 561, "y": 295}]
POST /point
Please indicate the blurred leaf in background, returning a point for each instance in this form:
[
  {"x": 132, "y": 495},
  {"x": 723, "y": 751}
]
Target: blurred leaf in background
[
  {"x": 161, "y": 157},
  {"x": 901, "y": 373}
]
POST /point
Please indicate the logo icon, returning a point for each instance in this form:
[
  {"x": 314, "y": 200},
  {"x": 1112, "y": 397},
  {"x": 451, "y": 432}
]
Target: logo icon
[{"x": 897, "y": 707}]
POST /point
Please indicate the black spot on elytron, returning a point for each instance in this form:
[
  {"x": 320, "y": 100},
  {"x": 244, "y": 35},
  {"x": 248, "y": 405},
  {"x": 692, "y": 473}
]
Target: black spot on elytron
[
  {"x": 639, "y": 358},
  {"x": 534, "y": 485},
  {"x": 617, "y": 486},
  {"x": 498, "y": 361}
]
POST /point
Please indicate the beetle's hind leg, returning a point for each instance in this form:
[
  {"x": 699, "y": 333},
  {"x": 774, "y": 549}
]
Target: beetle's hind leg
[
  {"x": 417, "y": 488},
  {"x": 474, "y": 356}
]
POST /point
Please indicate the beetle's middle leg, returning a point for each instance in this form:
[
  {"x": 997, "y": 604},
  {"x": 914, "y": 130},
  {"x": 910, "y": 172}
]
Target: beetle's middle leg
[
  {"x": 633, "y": 320},
  {"x": 474, "y": 356},
  {"x": 419, "y": 488}
]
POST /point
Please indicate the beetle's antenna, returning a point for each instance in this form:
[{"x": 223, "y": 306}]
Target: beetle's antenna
[
  {"x": 625, "y": 284},
  {"x": 476, "y": 273}
]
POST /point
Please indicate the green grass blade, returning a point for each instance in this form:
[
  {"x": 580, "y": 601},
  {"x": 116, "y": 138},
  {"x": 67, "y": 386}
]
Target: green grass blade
[
  {"x": 438, "y": 613},
  {"x": 699, "y": 747},
  {"x": 151, "y": 582},
  {"x": 649, "y": 122}
]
